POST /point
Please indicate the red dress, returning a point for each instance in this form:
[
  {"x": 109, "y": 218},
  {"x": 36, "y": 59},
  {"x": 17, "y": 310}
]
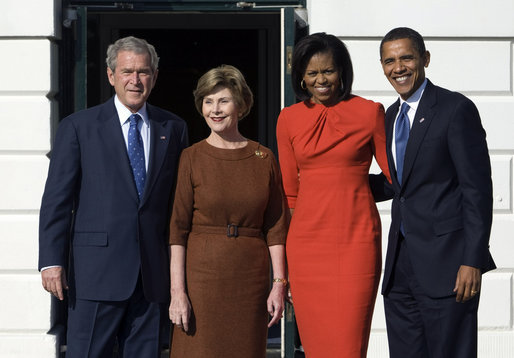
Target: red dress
[{"x": 334, "y": 240}]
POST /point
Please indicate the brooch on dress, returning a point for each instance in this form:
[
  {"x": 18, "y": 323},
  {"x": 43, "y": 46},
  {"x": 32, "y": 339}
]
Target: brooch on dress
[{"x": 260, "y": 154}]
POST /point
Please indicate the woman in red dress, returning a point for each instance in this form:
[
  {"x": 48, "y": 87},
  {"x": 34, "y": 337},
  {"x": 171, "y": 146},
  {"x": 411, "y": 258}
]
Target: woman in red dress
[{"x": 326, "y": 144}]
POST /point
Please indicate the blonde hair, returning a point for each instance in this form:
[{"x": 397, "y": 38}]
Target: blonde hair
[{"x": 225, "y": 76}]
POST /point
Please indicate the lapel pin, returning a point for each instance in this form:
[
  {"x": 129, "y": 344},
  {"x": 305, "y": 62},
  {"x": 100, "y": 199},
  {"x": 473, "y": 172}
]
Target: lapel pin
[
  {"x": 422, "y": 120},
  {"x": 163, "y": 137},
  {"x": 260, "y": 154}
]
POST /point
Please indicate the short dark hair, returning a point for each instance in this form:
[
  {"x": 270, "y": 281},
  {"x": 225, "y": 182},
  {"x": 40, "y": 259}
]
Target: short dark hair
[
  {"x": 405, "y": 33},
  {"x": 224, "y": 76},
  {"x": 316, "y": 43}
]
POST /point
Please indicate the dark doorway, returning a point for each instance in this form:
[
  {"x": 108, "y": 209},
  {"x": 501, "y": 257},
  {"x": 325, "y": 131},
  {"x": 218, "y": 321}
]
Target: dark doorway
[{"x": 188, "y": 45}]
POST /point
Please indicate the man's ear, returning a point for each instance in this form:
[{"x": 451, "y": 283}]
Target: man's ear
[
  {"x": 155, "y": 75},
  {"x": 110, "y": 76},
  {"x": 426, "y": 58}
]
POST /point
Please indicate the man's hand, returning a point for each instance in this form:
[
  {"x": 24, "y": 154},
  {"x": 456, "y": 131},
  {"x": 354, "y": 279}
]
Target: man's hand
[
  {"x": 468, "y": 283},
  {"x": 54, "y": 281}
]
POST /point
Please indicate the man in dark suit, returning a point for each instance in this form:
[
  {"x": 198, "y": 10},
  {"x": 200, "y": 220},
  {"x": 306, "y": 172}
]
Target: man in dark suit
[
  {"x": 441, "y": 209},
  {"x": 105, "y": 212}
]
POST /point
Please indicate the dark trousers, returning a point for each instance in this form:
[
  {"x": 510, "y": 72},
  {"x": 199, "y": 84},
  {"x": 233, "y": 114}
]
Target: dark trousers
[
  {"x": 419, "y": 326},
  {"x": 95, "y": 326}
]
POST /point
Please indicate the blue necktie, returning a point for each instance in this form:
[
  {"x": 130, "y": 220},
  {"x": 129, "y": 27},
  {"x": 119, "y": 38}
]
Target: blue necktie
[
  {"x": 402, "y": 130},
  {"x": 136, "y": 154}
]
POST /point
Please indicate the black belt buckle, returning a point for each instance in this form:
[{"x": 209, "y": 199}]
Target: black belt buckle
[{"x": 232, "y": 230}]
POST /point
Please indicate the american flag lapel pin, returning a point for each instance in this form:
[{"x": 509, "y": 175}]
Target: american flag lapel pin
[
  {"x": 422, "y": 120},
  {"x": 163, "y": 137}
]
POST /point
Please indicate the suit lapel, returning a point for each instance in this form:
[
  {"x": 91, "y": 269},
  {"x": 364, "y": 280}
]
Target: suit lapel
[
  {"x": 389, "y": 125},
  {"x": 116, "y": 150},
  {"x": 422, "y": 120},
  {"x": 160, "y": 138}
]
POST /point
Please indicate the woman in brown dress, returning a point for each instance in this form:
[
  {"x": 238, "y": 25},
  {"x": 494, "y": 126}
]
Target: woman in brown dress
[{"x": 229, "y": 217}]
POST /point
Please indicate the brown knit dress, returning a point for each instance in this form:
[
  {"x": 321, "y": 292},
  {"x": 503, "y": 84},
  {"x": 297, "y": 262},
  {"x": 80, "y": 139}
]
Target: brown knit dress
[{"x": 227, "y": 277}]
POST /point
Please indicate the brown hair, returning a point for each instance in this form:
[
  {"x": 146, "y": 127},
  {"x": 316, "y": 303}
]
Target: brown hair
[{"x": 225, "y": 76}]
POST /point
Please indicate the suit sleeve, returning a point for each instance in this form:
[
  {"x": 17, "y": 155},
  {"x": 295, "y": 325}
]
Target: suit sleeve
[
  {"x": 182, "y": 213},
  {"x": 287, "y": 159},
  {"x": 58, "y": 198},
  {"x": 184, "y": 138},
  {"x": 470, "y": 156}
]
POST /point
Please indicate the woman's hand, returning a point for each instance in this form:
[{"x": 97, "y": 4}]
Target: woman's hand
[
  {"x": 279, "y": 290},
  {"x": 276, "y": 302},
  {"x": 180, "y": 307},
  {"x": 180, "y": 310}
]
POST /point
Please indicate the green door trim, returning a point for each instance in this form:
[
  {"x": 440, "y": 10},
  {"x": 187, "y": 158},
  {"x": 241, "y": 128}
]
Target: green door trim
[{"x": 186, "y": 5}]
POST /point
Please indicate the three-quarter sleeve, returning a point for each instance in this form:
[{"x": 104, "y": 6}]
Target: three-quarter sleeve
[
  {"x": 288, "y": 165},
  {"x": 182, "y": 214},
  {"x": 379, "y": 140},
  {"x": 276, "y": 217}
]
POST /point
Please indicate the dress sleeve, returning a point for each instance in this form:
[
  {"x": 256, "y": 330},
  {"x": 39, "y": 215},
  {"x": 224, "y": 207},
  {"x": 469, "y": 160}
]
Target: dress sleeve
[
  {"x": 379, "y": 140},
  {"x": 288, "y": 165},
  {"x": 182, "y": 214},
  {"x": 276, "y": 217}
]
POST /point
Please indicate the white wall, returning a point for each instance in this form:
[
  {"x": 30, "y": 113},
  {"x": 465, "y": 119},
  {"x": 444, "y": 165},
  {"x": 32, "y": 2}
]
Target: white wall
[
  {"x": 29, "y": 79},
  {"x": 471, "y": 45}
]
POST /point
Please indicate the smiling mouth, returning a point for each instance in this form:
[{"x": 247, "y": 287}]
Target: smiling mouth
[
  {"x": 401, "y": 79},
  {"x": 322, "y": 90}
]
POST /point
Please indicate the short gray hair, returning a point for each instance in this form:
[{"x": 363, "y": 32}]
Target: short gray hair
[{"x": 133, "y": 44}]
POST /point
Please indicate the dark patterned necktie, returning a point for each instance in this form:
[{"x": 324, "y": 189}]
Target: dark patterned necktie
[
  {"x": 402, "y": 130},
  {"x": 136, "y": 154}
]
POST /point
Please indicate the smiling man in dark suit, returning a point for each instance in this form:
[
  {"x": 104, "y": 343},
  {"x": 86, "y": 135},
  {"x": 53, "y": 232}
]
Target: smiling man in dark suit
[
  {"x": 105, "y": 212},
  {"x": 441, "y": 210}
]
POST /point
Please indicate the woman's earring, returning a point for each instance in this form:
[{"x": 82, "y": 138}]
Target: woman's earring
[
  {"x": 302, "y": 84},
  {"x": 342, "y": 84}
]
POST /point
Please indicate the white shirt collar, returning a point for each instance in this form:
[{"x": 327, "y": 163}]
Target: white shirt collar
[
  {"x": 413, "y": 101},
  {"x": 124, "y": 113}
]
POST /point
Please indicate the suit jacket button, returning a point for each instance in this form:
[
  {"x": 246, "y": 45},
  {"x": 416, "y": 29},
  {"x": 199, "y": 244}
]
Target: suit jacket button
[{"x": 402, "y": 200}]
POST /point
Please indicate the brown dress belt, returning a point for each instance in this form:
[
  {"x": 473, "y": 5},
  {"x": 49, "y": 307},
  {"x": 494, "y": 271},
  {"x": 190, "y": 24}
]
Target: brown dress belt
[{"x": 231, "y": 230}]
